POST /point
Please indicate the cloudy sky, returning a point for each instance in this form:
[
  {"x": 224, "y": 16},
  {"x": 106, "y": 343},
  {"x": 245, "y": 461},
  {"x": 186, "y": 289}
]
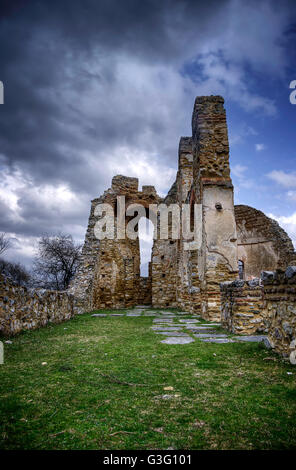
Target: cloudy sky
[{"x": 95, "y": 88}]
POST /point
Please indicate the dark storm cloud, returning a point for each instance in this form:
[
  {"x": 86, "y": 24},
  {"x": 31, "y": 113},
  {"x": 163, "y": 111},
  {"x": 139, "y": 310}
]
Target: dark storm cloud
[{"x": 47, "y": 49}]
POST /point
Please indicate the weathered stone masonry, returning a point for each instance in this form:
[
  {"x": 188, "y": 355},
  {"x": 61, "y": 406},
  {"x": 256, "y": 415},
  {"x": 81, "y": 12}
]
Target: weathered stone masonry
[
  {"x": 26, "y": 309},
  {"x": 181, "y": 277},
  {"x": 265, "y": 306},
  {"x": 109, "y": 274},
  {"x": 182, "y": 273},
  {"x": 262, "y": 243},
  {"x": 279, "y": 304},
  {"x": 217, "y": 258},
  {"x": 242, "y": 307}
]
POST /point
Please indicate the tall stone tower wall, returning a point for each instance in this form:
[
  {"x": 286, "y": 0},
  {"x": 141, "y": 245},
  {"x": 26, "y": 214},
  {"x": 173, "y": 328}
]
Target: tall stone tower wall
[{"x": 212, "y": 187}]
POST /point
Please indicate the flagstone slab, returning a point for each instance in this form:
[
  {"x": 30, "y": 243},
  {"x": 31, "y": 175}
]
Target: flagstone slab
[
  {"x": 99, "y": 315},
  {"x": 199, "y": 328},
  {"x": 251, "y": 338},
  {"x": 217, "y": 340},
  {"x": 166, "y": 328},
  {"x": 209, "y": 335},
  {"x": 172, "y": 333},
  {"x": 188, "y": 320},
  {"x": 177, "y": 340},
  {"x": 134, "y": 312},
  {"x": 161, "y": 320}
]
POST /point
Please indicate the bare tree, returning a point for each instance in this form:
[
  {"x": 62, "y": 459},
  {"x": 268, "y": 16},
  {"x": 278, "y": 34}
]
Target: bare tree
[
  {"x": 16, "y": 272},
  {"x": 5, "y": 242},
  {"x": 56, "y": 262}
]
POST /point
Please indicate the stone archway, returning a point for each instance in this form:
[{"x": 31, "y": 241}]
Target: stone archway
[{"x": 110, "y": 269}]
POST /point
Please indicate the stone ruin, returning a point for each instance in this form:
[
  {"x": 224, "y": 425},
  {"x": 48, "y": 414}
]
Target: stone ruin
[
  {"x": 218, "y": 277},
  {"x": 231, "y": 236}
]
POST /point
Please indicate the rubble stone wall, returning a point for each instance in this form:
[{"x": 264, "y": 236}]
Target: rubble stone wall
[
  {"x": 168, "y": 286},
  {"x": 242, "y": 307},
  {"x": 164, "y": 253},
  {"x": 265, "y": 306},
  {"x": 144, "y": 297},
  {"x": 25, "y": 309},
  {"x": 280, "y": 306}
]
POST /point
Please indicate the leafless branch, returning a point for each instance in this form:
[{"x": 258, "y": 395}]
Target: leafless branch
[{"x": 5, "y": 243}]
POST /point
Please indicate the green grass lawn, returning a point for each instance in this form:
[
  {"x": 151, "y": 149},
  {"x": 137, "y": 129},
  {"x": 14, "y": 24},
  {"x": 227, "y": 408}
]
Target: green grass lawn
[{"x": 104, "y": 383}]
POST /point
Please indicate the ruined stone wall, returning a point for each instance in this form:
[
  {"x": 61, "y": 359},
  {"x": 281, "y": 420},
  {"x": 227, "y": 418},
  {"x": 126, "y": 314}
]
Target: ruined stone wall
[
  {"x": 109, "y": 273},
  {"x": 164, "y": 254},
  {"x": 172, "y": 264},
  {"x": 280, "y": 306},
  {"x": 175, "y": 280},
  {"x": 262, "y": 243},
  {"x": 185, "y": 169},
  {"x": 265, "y": 306},
  {"x": 184, "y": 274},
  {"x": 117, "y": 274},
  {"x": 163, "y": 261},
  {"x": 188, "y": 283},
  {"x": 210, "y": 139},
  {"x": 242, "y": 307},
  {"x": 26, "y": 309},
  {"x": 145, "y": 291},
  {"x": 212, "y": 187}
]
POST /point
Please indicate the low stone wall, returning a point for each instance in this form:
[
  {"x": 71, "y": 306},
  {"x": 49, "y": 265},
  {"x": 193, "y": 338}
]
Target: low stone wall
[
  {"x": 266, "y": 306},
  {"x": 242, "y": 307},
  {"x": 24, "y": 309},
  {"x": 280, "y": 305}
]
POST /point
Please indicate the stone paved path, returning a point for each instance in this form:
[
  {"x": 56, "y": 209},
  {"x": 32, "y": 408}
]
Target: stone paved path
[{"x": 183, "y": 327}]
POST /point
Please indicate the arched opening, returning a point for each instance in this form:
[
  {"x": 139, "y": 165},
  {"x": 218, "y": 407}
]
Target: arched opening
[
  {"x": 241, "y": 273},
  {"x": 146, "y": 242},
  {"x": 145, "y": 233}
]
